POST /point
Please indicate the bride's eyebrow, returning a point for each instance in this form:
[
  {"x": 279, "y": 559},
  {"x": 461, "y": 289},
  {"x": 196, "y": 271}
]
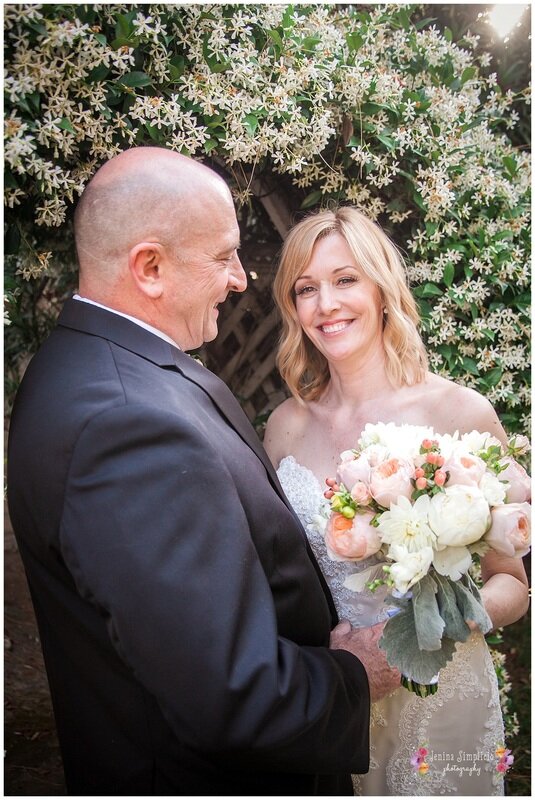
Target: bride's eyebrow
[{"x": 338, "y": 269}]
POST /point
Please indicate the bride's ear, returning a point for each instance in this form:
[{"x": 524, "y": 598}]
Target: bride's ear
[{"x": 145, "y": 262}]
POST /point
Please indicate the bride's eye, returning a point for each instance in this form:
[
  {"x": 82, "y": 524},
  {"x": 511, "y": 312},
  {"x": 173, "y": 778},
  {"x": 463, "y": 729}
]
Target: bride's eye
[
  {"x": 347, "y": 280},
  {"x": 304, "y": 290}
]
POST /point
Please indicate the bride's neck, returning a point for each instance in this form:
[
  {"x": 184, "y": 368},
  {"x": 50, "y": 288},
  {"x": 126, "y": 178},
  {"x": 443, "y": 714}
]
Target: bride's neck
[{"x": 351, "y": 386}]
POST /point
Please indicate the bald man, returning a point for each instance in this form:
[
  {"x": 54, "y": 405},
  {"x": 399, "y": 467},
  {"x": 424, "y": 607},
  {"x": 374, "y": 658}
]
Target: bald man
[{"x": 184, "y": 622}]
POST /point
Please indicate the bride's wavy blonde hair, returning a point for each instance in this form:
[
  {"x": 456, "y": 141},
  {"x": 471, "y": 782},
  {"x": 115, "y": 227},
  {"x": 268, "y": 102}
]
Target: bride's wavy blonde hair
[{"x": 301, "y": 365}]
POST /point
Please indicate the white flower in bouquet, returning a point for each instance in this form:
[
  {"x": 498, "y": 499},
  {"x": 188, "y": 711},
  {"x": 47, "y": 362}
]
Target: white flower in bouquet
[
  {"x": 407, "y": 524},
  {"x": 476, "y": 441},
  {"x": 452, "y": 562},
  {"x": 409, "y": 567},
  {"x": 459, "y": 515},
  {"x": 395, "y": 438},
  {"x": 493, "y": 489}
]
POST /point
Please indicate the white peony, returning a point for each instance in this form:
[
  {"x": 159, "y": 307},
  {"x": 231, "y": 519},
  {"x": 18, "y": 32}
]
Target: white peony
[
  {"x": 475, "y": 441},
  {"x": 452, "y": 562},
  {"x": 493, "y": 489},
  {"x": 409, "y": 568},
  {"x": 460, "y": 515},
  {"x": 407, "y": 524},
  {"x": 398, "y": 440}
]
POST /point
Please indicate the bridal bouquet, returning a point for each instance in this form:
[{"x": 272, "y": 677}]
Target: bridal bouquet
[{"x": 427, "y": 504}]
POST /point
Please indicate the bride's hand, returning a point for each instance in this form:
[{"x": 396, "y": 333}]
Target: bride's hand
[{"x": 362, "y": 642}]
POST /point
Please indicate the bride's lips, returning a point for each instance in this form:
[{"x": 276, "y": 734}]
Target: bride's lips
[{"x": 335, "y": 326}]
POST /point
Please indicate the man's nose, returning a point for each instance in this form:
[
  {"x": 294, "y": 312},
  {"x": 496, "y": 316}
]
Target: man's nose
[{"x": 237, "y": 276}]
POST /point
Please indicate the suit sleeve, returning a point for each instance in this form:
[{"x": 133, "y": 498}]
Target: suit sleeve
[{"x": 189, "y": 608}]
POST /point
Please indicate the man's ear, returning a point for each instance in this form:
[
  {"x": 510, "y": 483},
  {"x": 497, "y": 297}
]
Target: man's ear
[{"x": 145, "y": 265}]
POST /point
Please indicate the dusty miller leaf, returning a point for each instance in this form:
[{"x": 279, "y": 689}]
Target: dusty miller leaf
[
  {"x": 470, "y": 605},
  {"x": 400, "y": 643},
  {"x": 455, "y": 626},
  {"x": 428, "y": 623}
]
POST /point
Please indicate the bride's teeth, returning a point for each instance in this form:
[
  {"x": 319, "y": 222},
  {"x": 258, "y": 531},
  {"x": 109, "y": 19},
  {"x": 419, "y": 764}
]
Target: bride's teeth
[{"x": 338, "y": 326}]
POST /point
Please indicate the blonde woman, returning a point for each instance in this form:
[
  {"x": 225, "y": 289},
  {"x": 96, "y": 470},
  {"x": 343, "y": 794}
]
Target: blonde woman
[{"x": 350, "y": 353}]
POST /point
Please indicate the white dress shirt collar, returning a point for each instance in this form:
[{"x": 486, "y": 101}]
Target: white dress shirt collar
[{"x": 139, "y": 322}]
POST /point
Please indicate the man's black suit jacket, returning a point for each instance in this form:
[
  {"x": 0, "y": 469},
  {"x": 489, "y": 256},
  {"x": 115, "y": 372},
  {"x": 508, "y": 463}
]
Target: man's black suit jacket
[{"x": 183, "y": 621}]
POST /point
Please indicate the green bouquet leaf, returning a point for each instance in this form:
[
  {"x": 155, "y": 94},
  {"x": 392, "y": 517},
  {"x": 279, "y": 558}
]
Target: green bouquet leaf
[{"x": 400, "y": 643}]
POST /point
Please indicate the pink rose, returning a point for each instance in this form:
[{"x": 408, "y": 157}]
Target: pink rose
[
  {"x": 390, "y": 480},
  {"x": 464, "y": 469},
  {"x": 351, "y": 539},
  {"x": 510, "y": 531},
  {"x": 361, "y": 493},
  {"x": 351, "y": 471},
  {"x": 520, "y": 483}
]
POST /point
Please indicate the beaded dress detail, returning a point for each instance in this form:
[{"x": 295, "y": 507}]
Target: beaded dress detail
[{"x": 461, "y": 725}]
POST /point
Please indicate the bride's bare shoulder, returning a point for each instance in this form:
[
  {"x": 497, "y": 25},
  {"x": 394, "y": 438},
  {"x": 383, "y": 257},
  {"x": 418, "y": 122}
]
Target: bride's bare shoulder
[
  {"x": 284, "y": 425},
  {"x": 460, "y": 407}
]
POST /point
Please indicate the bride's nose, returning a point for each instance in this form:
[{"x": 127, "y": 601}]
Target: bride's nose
[{"x": 327, "y": 299}]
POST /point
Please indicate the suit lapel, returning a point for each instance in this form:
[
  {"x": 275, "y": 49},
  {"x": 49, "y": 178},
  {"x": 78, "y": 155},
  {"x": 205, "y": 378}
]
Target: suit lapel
[{"x": 228, "y": 406}]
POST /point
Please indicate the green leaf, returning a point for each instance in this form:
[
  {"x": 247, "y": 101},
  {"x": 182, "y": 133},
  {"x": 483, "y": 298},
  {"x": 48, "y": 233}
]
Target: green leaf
[
  {"x": 455, "y": 626},
  {"x": 354, "y": 41},
  {"x": 154, "y": 132},
  {"x": 210, "y": 144},
  {"x": 276, "y": 37},
  {"x": 493, "y": 376},
  {"x": 431, "y": 290},
  {"x": 98, "y": 74},
  {"x": 468, "y": 74},
  {"x": 449, "y": 274},
  {"x": 387, "y": 141},
  {"x": 428, "y": 623},
  {"x": 66, "y": 125},
  {"x": 470, "y": 365},
  {"x": 448, "y": 35},
  {"x": 405, "y": 19},
  {"x": 510, "y": 165},
  {"x": 123, "y": 25},
  {"x": 135, "y": 79},
  {"x": 427, "y": 21},
  {"x": 469, "y": 602},
  {"x": 250, "y": 123},
  {"x": 101, "y": 38},
  {"x": 311, "y": 199},
  {"x": 400, "y": 643}
]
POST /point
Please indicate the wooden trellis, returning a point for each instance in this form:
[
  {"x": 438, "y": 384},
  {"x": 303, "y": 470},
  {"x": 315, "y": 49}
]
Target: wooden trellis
[{"x": 243, "y": 354}]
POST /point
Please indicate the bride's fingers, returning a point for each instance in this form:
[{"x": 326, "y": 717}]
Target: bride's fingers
[{"x": 342, "y": 628}]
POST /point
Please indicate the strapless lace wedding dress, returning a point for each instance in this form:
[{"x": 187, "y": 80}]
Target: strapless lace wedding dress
[{"x": 460, "y": 726}]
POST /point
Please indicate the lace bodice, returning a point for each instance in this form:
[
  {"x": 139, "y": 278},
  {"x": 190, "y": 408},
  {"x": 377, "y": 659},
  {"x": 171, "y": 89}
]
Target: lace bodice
[{"x": 305, "y": 494}]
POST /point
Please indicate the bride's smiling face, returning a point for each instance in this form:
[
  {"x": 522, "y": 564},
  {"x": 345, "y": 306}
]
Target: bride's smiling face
[{"x": 338, "y": 306}]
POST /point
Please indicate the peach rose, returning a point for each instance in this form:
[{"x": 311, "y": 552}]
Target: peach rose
[
  {"x": 390, "y": 480},
  {"x": 510, "y": 532},
  {"x": 351, "y": 539},
  {"x": 351, "y": 471},
  {"x": 518, "y": 479},
  {"x": 465, "y": 469},
  {"x": 361, "y": 493}
]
